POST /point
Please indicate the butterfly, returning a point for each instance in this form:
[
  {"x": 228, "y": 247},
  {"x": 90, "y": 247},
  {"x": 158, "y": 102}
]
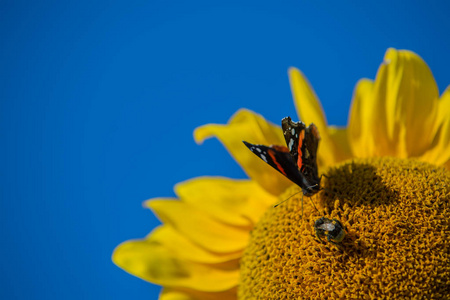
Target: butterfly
[{"x": 297, "y": 161}]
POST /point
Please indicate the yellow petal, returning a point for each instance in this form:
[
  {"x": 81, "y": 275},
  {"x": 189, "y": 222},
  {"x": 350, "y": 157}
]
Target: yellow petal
[
  {"x": 154, "y": 263},
  {"x": 188, "y": 294},
  {"x": 171, "y": 294},
  {"x": 306, "y": 102},
  {"x": 310, "y": 111},
  {"x": 439, "y": 152},
  {"x": 180, "y": 246},
  {"x": 407, "y": 101},
  {"x": 444, "y": 106},
  {"x": 236, "y": 202},
  {"x": 447, "y": 165},
  {"x": 198, "y": 227},
  {"x": 341, "y": 146},
  {"x": 248, "y": 126},
  {"x": 360, "y": 135}
]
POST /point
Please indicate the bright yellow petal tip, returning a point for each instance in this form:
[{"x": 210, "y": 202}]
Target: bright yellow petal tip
[
  {"x": 306, "y": 101},
  {"x": 152, "y": 262},
  {"x": 396, "y": 115},
  {"x": 199, "y": 227}
]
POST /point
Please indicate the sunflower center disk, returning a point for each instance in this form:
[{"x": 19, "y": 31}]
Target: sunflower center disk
[{"x": 397, "y": 218}]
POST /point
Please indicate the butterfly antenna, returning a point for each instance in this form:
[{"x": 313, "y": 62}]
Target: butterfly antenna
[
  {"x": 301, "y": 217},
  {"x": 288, "y": 199}
]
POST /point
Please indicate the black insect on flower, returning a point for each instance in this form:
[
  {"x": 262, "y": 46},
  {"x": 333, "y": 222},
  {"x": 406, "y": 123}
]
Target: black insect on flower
[{"x": 333, "y": 230}]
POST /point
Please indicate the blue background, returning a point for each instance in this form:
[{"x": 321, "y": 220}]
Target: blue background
[{"x": 99, "y": 101}]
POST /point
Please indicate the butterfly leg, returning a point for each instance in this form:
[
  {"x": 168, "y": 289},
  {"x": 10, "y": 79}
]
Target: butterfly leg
[{"x": 313, "y": 204}]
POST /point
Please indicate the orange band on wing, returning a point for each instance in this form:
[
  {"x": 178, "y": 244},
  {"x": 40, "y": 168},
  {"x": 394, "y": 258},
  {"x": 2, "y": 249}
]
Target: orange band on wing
[
  {"x": 280, "y": 148},
  {"x": 299, "y": 149},
  {"x": 279, "y": 168}
]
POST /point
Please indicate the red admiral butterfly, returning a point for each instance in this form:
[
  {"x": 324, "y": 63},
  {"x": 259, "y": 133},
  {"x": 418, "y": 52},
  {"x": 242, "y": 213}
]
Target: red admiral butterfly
[{"x": 297, "y": 161}]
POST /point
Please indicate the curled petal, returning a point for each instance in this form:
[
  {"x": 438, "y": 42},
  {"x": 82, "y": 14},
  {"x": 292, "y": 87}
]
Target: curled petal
[
  {"x": 153, "y": 262},
  {"x": 200, "y": 228},
  {"x": 362, "y": 140},
  {"x": 406, "y": 97},
  {"x": 235, "y": 202},
  {"x": 440, "y": 147},
  {"x": 251, "y": 127}
]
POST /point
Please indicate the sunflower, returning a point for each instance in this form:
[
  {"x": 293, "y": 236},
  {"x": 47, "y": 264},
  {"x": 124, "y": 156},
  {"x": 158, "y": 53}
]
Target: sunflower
[{"x": 387, "y": 180}]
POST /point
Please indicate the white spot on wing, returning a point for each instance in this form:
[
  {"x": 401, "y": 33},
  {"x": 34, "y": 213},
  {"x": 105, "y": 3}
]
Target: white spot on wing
[
  {"x": 259, "y": 150},
  {"x": 293, "y": 131},
  {"x": 263, "y": 157},
  {"x": 291, "y": 143}
]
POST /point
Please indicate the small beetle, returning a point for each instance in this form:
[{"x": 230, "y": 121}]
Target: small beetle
[{"x": 333, "y": 230}]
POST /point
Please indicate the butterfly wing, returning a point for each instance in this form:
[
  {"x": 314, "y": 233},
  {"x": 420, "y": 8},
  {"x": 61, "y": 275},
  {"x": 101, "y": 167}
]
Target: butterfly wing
[
  {"x": 279, "y": 158},
  {"x": 309, "y": 148},
  {"x": 294, "y": 134},
  {"x": 303, "y": 143}
]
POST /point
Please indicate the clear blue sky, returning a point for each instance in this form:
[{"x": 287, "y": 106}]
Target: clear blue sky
[{"x": 99, "y": 101}]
